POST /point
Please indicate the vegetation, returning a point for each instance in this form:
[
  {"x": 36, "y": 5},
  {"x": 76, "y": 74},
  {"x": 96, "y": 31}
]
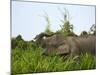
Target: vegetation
[
  {"x": 48, "y": 28},
  {"x": 83, "y": 33},
  {"x": 66, "y": 26},
  {"x": 93, "y": 30},
  {"x": 30, "y": 60}
]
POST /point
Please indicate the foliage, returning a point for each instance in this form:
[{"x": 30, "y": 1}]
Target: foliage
[
  {"x": 19, "y": 37},
  {"x": 18, "y": 42},
  {"x": 27, "y": 57},
  {"x": 13, "y": 43},
  {"x": 31, "y": 61},
  {"x": 66, "y": 27},
  {"x": 92, "y": 30},
  {"x": 83, "y": 33},
  {"x": 47, "y": 29}
]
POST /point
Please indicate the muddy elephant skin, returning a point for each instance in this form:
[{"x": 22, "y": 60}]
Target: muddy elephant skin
[{"x": 57, "y": 44}]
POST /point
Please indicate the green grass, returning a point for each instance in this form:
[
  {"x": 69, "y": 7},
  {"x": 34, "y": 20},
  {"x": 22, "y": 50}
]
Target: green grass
[{"x": 31, "y": 61}]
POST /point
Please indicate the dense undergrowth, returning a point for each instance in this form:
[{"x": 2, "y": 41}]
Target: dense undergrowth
[{"x": 31, "y": 61}]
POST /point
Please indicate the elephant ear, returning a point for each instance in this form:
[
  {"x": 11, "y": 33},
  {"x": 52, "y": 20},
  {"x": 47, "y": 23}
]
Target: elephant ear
[{"x": 63, "y": 49}]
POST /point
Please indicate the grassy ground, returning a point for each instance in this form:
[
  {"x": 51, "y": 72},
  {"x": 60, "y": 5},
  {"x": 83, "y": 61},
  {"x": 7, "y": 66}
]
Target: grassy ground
[{"x": 31, "y": 61}]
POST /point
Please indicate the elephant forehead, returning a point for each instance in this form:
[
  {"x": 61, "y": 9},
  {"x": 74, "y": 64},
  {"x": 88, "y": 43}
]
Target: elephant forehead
[{"x": 54, "y": 40}]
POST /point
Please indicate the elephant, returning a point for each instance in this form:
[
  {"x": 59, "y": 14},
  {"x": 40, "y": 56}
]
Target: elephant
[{"x": 58, "y": 44}]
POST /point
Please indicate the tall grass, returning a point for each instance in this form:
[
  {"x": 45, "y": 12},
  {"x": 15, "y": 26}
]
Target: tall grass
[{"x": 31, "y": 61}]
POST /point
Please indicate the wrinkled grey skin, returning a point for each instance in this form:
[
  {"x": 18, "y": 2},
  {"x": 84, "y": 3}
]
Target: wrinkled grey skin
[{"x": 58, "y": 44}]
